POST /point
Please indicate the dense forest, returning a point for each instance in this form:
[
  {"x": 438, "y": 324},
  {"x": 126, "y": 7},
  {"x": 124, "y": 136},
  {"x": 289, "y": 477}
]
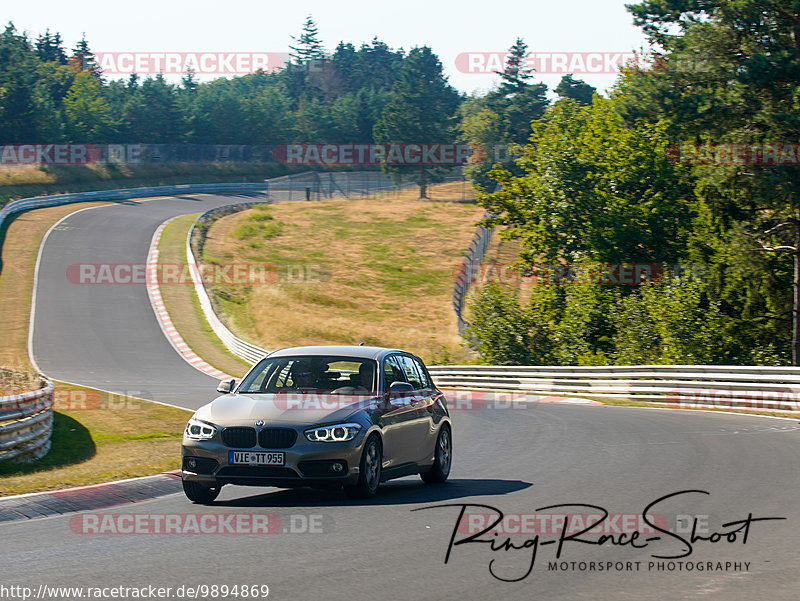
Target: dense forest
[{"x": 691, "y": 161}]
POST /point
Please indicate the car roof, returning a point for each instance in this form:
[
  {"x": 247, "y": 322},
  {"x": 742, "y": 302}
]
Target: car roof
[{"x": 361, "y": 352}]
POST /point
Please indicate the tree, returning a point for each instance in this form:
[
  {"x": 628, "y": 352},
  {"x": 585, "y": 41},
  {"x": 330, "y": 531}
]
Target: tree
[
  {"x": 497, "y": 122},
  {"x": 483, "y": 129},
  {"x": 308, "y": 46},
  {"x": 28, "y": 113},
  {"x": 517, "y": 101},
  {"x": 500, "y": 330},
  {"x": 152, "y": 113},
  {"x": 727, "y": 72},
  {"x": 89, "y": 115},
  {"x": 515, "y": 74},
  {"x": 421, "y": 111},
  {"x": 593, "y": 189},
  {"x": 576, "y": 89},
  {"x": 50, "y": 48},
  {"x": 83, "y": 59}
]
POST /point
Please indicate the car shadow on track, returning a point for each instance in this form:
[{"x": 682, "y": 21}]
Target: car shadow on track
[{"x": 397, "y": 492}]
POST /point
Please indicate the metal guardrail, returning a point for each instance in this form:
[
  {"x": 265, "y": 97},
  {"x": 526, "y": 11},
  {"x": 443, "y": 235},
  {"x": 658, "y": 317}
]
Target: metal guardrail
[
  {"x": 40, "y": 202},
  {"x": 241, "y": 348},
  {"x": 26, "y": 422},
  {"x": 470, "y": 267},
  {"x": 745, "y": 387}
]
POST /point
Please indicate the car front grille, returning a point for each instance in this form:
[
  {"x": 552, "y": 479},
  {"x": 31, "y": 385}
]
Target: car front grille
[
  {"x": 277, "y": 438},
  {"x": 239, "y": 437}
]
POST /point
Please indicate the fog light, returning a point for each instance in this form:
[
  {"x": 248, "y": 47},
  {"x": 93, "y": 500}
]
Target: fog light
[
  {"x": 337, "y": 466},
  {"x": 191, "y": 463}
]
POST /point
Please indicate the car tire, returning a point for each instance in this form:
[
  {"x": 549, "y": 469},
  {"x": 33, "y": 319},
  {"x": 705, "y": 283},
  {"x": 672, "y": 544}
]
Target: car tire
[
  {"x": 198, "y": 493},
  {"x": 443, "y": 457},
  {"x": 370, "y": 470}
]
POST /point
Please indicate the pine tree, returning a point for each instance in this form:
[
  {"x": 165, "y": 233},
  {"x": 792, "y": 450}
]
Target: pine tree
[
  {"x": 420, "y": 112},
  {"x": 308, "y": 46},
  {"x": 49, "y": 48},
  {"x": 189, "y": 80},
  {"x": 83, "y": 59},
  {"x": 515, "y": 75}
]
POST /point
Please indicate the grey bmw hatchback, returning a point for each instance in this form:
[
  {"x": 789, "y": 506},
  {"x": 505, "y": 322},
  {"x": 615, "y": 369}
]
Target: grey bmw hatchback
[{"x": 320, "y": 416}]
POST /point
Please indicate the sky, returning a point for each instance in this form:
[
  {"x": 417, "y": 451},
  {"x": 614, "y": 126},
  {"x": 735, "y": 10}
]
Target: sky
[{"x": 587, "y": 37}]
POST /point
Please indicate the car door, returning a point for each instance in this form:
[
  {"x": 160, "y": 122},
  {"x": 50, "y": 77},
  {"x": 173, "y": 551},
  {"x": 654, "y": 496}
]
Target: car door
[
  {"x": 420, "y": 435},
  {"x": 397, "y": 419}
]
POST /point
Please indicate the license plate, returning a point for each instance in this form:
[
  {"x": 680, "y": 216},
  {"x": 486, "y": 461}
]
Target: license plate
[{"x": 256, "y": 458}]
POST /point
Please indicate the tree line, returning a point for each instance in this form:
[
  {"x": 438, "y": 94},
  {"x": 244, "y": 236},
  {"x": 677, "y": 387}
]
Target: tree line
[{"x": 369, "y": 94}]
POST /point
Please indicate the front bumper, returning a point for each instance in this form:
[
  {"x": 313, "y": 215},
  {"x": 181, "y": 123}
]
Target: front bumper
[{"x": 306, "y": 464}]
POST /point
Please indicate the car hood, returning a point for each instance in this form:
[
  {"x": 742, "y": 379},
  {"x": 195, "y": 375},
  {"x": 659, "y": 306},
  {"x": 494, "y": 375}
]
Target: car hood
[{"x": 298, "y": 409}]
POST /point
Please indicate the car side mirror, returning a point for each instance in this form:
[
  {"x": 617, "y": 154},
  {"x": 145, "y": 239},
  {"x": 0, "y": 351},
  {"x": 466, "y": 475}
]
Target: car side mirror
[
  {"x": 400, "y": 391},
  {"x": 226, "y": 386}
]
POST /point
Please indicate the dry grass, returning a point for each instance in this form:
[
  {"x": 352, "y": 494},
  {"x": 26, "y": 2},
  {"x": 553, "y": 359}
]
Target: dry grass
[
  {"x": 182, "y": 305},
  {"x": 378, "y": 270},
  {"x": 16, "y": 381},
  {"x": 93, "y": 442}
]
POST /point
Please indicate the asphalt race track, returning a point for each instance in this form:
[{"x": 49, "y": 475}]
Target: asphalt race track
[{"x": 519, "y": 460}]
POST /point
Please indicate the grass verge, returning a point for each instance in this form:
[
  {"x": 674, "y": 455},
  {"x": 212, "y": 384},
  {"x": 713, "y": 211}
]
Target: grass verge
[{"x": 98, "y": 437}]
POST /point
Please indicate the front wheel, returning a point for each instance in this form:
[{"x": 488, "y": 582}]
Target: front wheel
[
  {"x": 369, "y": 476},
  {"x": 197, "y": 493},
  {"x": 442, "y": 459}
]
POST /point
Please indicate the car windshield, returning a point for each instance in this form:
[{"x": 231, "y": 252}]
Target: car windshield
[{"x": 327, "y": 374}]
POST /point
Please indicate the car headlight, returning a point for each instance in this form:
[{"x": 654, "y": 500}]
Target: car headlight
[
  {"x": 199, "y": 430},
  {"x": 335, "y": 433}
]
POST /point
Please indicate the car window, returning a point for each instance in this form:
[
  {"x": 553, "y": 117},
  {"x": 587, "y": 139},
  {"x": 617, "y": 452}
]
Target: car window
[
  {"x": 410, "y": 372},
  {"x": 319, "y": 373},
  {"x": 391, "y": 371},
  {"x": 423, "y": 373}
]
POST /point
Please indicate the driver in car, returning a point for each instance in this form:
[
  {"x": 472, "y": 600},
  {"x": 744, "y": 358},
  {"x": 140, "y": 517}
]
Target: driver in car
[{"x": 303, "y": 375}]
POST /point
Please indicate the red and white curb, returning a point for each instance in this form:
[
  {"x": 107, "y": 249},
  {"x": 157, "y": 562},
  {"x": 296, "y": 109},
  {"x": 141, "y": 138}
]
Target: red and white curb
[
  {"x": 567, "y": 400},
  {"x": 162, "y": 316},
  {"x": 86, "y": 498}
]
